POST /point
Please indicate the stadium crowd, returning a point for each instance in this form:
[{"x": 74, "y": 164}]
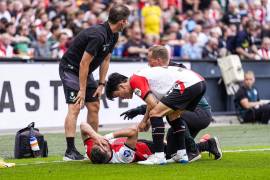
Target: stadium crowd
[{"x": 190, "y": 29}]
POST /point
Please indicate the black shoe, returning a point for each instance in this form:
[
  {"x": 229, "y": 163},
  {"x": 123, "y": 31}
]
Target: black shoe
[
  {"x": 214, "y": 148},
  {"x": 193, "y": 156},
  {"x": 73, "y": 155}
]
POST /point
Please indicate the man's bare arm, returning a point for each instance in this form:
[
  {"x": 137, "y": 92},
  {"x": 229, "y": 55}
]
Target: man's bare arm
[
  {"x": 131, "y": 134},
  {"x": 83, "y": 74}
]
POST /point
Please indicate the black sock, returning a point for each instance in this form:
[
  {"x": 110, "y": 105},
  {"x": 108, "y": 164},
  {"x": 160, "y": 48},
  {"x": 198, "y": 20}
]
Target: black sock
[
  {"x": 191, "y": 145},
  {"x": 179, "y": 131},
  {"x": 158, "y": 133},
  {"x": 70, "y": 143},
  {"x": 203, "y": 146}
]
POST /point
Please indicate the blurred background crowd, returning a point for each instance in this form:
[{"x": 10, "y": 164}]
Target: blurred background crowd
[{"x": 190, "y": 29}]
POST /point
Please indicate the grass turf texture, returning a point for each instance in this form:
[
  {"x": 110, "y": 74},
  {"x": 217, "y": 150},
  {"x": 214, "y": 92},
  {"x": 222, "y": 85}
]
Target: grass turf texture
[{"x": 236, "y": 165}]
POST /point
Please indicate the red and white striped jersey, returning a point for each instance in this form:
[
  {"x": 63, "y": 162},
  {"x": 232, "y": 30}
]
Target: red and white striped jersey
[
  {"x": 159, "y": 80},
  {"x": 122, "y": 153}
]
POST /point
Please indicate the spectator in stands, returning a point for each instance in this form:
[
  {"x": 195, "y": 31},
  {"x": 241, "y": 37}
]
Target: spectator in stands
[
  {"x": 202, "y": 37},
  {"x": 6, "y": 50},
  {"x": 248, "y": 100},
  {"x": 211, "y": 50},
  {"x": 79, "y": 19},
  {"x": 136, "y": 47},
  {"x": 189, "y": 23},
  {"x": 214, "y": 12},
  {"x": 172, "y": 40},
  {"x": 152, "y": 23},
  {"x": 158, "y": 18},
  {"x": 4, "y": 13},
  {"x": 17, "y": 11},
  {"x": 264, "y": 51},
  {"x": 11, "y": 29},
  {"x": 257, "y": 11},
  {"x": 232, "y": 16},
  {"x": 192, "y": 50},
  {"x": 22, "y": 42},
  {"x": 61, "y": 46},
  {"x": 3, "y": 25},
  {"x": 245, "y": 41},
  {"x": 266, "y": 6},
  {"x": 190, "y": 5},
  {"x": 243, "y": 9},
  {"x": 55, "y": 32},
  {"x": 42, "y": 46}
]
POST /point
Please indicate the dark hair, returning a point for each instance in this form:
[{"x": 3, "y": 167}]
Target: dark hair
[
  {"x": 112, "y": 84},
  {"x": 54, "y": 28},
  {"x": 98, "y": 156},
  {"x": 118, "y": 12}
]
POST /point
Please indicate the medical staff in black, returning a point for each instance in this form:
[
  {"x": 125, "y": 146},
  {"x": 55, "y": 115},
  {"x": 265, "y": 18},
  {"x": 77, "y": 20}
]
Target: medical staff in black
[
  {"x": 247, "y": 100},
  {"x": 90, "y": 49}
]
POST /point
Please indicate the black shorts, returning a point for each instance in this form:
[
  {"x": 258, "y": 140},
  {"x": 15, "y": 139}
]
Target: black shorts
[
  {"x": 188, "y": 100},
  {"x": 71, "y": 85}
]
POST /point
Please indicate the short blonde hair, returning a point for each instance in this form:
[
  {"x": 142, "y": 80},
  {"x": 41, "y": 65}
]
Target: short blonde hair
[
  {"x": 160, "y": 52},
  {"x": 250, "y": 73}
]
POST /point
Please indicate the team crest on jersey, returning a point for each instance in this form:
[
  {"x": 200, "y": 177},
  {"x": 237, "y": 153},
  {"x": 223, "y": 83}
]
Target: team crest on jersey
[
  {"x": 72, "y": 96},
  {"x": 138, "y": 92},
  {"x": 176, "y": 86},
  {"x": 127, "y": 153}
]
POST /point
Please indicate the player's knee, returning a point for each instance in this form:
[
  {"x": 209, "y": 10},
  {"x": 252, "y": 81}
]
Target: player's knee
[
  {"x": 73, "y": 111},
  {"x": 93, "y": 106},
  {"x": 154, "y": 113}
]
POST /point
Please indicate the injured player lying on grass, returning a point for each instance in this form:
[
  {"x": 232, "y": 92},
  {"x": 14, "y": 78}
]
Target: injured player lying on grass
[{"x": 123, "y": 146}]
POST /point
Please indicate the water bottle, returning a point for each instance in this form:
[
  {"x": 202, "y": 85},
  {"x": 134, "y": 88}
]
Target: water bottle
[{"x": 34, "y": 146}]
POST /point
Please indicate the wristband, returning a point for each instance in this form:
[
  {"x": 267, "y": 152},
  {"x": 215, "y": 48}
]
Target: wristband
[
  {"x": 109, "y": 136},
  {"x": 101, "y": 84}
]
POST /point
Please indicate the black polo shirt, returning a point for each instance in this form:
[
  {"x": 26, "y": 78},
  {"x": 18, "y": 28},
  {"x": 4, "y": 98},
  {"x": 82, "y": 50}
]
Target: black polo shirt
[
  {"x": 97, "y": 40},
  {"x": 251, "y": 94}
]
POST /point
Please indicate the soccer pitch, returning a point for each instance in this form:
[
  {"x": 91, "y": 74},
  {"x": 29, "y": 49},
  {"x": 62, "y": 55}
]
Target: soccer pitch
[{"x": 246, "y": 156}]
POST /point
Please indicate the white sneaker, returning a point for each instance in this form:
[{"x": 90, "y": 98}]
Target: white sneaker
[
  {"x": 152, "y": 160},
  {"x": 177, "y": 159},
  {"x": 86, "y": 157}
]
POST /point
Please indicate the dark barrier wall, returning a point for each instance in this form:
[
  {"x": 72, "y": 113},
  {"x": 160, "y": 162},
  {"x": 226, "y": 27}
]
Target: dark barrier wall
[{"x": 216, "y": 93}]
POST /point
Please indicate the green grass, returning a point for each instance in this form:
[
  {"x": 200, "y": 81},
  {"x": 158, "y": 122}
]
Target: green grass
[{"x": 236, "y": 165}]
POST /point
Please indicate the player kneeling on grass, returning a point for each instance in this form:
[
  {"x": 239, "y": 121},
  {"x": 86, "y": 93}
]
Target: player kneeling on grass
[
  {"x": 119, "y": 147},
  {"x": 167, "y": 91}
]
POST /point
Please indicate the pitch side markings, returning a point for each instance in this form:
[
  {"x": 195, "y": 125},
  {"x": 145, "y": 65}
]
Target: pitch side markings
[{"x": 225, "y": 151}]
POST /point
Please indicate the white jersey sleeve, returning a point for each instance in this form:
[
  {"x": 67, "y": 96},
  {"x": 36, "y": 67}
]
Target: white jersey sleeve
[{"x": 123, "y": 155}]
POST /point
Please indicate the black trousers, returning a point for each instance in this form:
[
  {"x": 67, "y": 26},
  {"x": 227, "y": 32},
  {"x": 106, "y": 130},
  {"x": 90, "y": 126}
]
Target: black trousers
[
  {"x": 194, "y": 121},
  {"x": 197, "y": 120},
  {"x": 261, "y": 115}
]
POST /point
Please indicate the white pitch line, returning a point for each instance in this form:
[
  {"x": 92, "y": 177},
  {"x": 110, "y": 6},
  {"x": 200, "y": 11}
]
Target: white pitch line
[
  {"x": 41, "y": 162},
  {"x": 245, "y": 150},
  {"x": 224, "y": 151}
]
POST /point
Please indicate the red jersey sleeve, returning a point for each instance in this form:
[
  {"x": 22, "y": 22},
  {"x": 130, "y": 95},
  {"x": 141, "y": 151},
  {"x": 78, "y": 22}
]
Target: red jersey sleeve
[
  {"x": 88, "y": 143},
  {"x": 140, "y": 86}
]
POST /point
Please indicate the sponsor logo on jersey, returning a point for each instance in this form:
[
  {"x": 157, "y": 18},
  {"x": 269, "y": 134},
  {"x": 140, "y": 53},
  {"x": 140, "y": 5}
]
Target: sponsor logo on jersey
[
  {"x": 105, "y": 47},
  {"x": 138, "y": 92},
  {"x": 127, "y": 153}
]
